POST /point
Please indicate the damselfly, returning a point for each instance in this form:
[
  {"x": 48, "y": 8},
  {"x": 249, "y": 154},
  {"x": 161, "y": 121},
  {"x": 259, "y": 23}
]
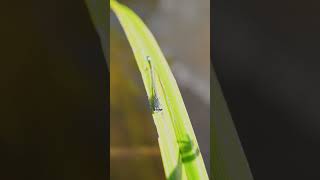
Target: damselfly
[{"x": 155, "y": 102}]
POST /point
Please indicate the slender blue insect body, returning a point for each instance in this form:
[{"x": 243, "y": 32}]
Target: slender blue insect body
[{"x": 155, "y": 103}]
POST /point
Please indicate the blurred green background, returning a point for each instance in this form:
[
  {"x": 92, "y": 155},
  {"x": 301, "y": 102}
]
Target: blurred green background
[{"x": 182, "y": 30}]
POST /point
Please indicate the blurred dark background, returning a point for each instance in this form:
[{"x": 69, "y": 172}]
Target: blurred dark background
[
  {"x": 53, "y": 89},
  {"x": 266, "y": 55}
]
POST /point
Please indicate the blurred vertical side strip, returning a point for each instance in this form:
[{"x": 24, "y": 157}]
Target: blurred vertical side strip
[{"x": 228, "y": 160}]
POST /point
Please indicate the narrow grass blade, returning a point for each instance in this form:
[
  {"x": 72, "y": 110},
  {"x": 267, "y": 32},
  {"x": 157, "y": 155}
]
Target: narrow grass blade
[
  {"x": 178, "y": 145},
  {"x": 228, "y": 161}
]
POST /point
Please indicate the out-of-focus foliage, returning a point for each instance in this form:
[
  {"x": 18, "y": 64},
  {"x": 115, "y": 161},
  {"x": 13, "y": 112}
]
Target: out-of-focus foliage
[
  {"x": 98, "y": 11},
  {"x": 228, "y": 161}
]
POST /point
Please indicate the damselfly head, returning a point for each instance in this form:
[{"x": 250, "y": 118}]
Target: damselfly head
[{"x": 148, "y": 58}]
